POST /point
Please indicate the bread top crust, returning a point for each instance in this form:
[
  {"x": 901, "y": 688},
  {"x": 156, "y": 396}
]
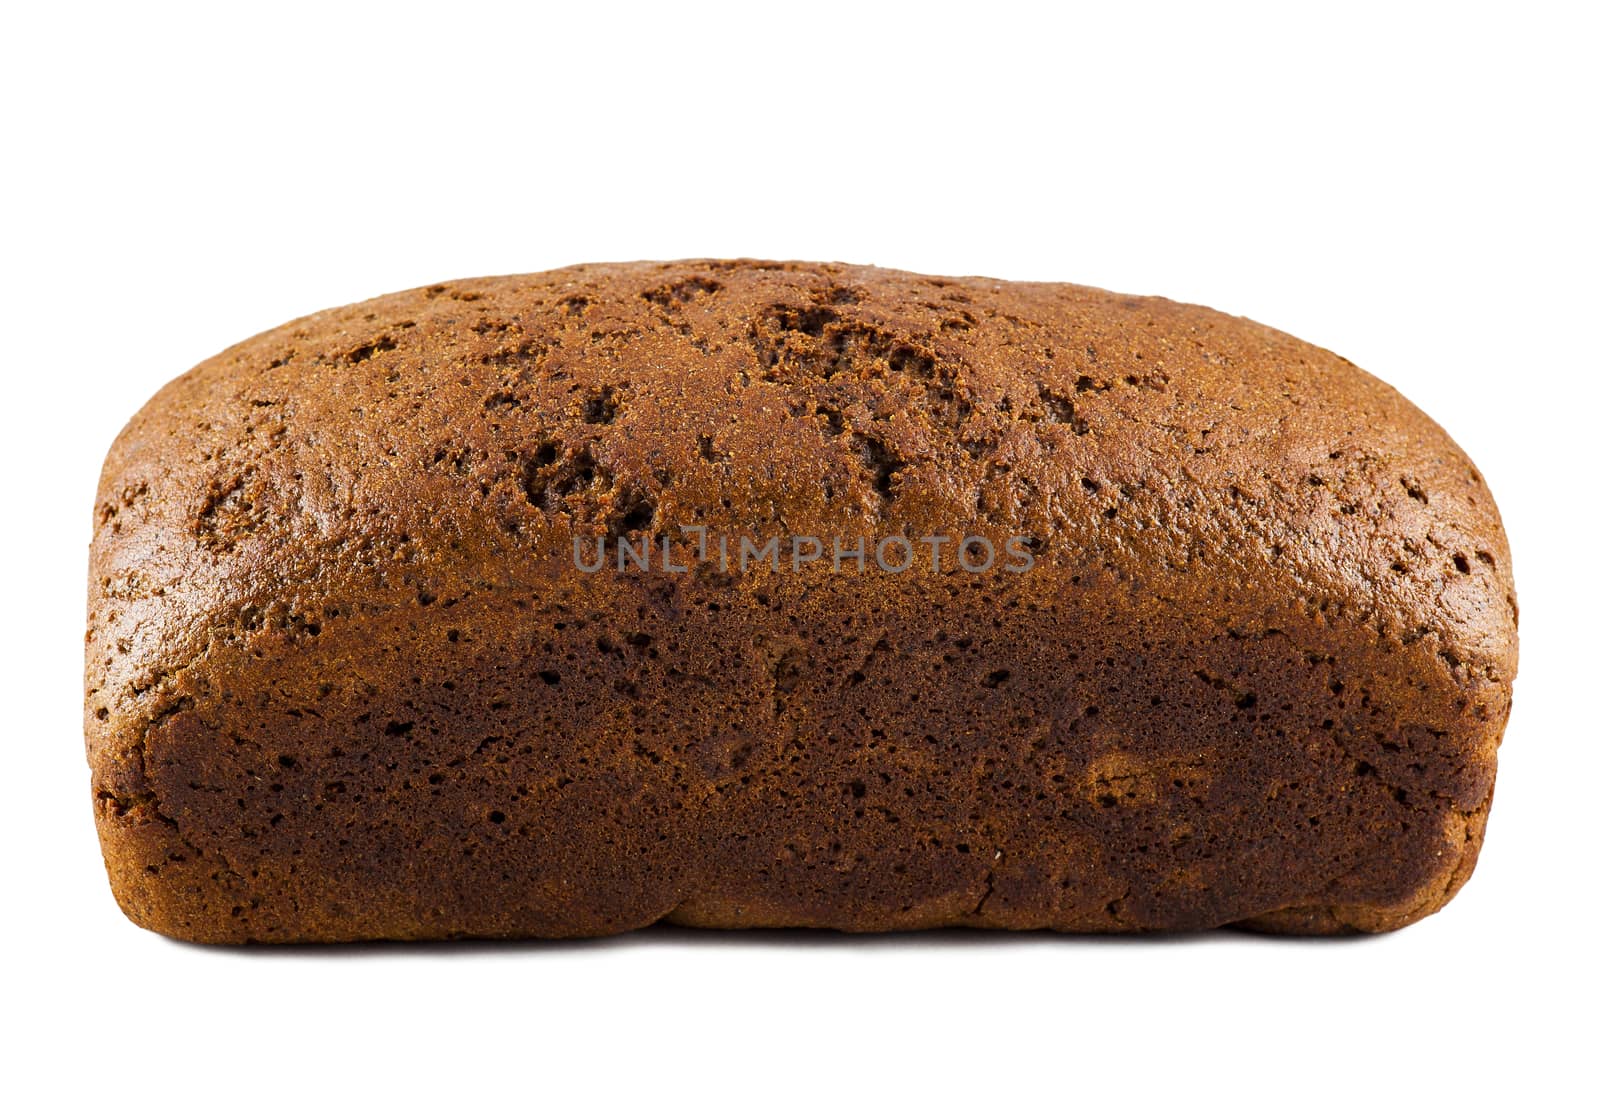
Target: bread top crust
[{"x": 373, "y": 459}]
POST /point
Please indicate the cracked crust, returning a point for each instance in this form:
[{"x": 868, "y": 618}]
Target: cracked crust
[{"x": 344, "y": 681}]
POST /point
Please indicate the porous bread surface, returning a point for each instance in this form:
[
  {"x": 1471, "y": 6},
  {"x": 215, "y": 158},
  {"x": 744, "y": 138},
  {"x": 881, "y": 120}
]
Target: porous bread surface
[{"x": 345, "y": 681}]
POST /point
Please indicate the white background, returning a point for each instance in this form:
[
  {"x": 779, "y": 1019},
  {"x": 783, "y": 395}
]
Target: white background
[{"x": 1414, "y": 188}]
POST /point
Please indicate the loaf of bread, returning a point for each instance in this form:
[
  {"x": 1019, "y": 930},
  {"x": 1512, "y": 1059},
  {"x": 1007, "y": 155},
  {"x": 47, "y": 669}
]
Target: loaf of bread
[{"x": 746, "y": 594}]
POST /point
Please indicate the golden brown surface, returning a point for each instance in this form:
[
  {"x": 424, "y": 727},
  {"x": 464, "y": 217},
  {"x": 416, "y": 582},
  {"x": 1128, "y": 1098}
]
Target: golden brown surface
[{"x": 345, "y": 682}]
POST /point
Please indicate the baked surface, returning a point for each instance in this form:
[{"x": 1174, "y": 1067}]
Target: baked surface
[{"x": 344, "y": 680}]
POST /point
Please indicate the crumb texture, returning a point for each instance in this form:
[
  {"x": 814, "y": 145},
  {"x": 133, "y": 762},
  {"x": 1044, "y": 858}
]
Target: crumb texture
[{"x": 345, "y": 681}]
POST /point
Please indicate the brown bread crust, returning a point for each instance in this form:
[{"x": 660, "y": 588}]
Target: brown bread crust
[{"x": 344, "y": 680}]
